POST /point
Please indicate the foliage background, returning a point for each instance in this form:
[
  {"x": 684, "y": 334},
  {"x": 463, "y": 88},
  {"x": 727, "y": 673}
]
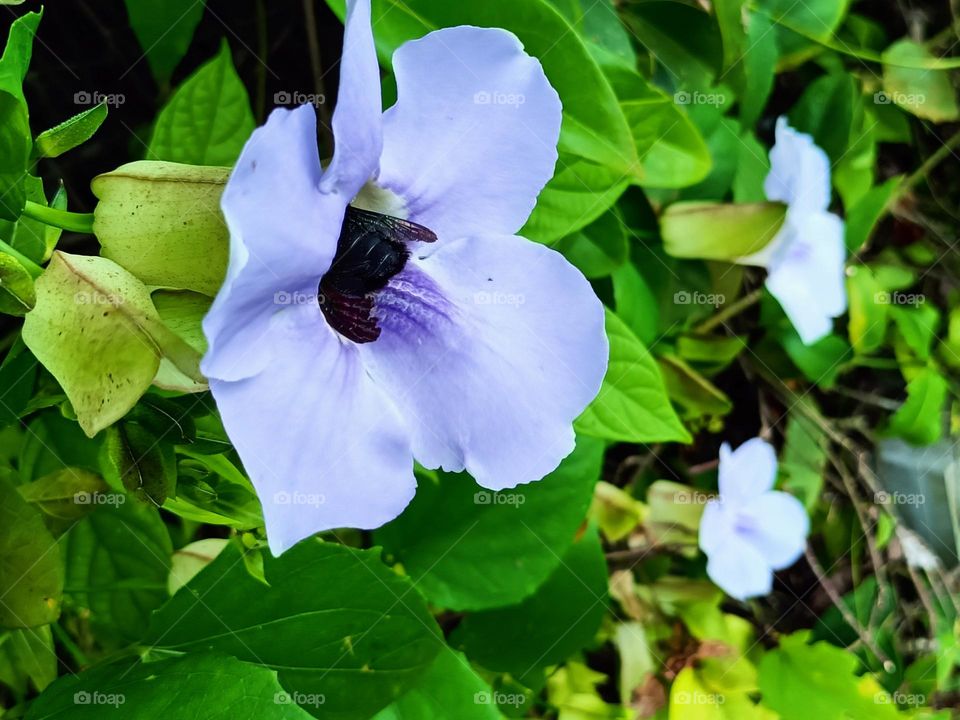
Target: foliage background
[{"x": 582, "y": 596}]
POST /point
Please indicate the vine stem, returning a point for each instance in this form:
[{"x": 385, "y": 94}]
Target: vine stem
[
  {"x": 75, "y": 222},
  {"x": 734, "y": 308}
]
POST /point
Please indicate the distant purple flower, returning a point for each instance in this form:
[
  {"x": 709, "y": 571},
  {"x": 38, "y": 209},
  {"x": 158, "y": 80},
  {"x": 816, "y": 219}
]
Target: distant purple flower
[
  {"x": 805, "y": 261},
  {"x": 751, "y": 529},
  {"x": 382, "y": 309}
]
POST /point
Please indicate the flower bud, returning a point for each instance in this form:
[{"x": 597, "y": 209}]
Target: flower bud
[
  {"x": 720, "y": 231},
  {"x": 162, "y": 222}
]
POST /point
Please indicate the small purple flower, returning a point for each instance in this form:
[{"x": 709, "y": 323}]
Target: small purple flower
[
  {"x": 751, "y": 529},
  {"x": 805, "y": 261},
  {"x": 382, "y": 308}
]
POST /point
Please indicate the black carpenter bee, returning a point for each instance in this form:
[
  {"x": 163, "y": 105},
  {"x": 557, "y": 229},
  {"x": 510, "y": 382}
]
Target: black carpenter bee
[{"x": 372, "y": 248}]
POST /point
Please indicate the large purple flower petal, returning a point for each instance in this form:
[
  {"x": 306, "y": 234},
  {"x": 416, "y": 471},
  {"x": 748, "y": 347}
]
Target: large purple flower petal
[
  {"x": 322, "y": 445},
  {"x": 357, "y": 130},
  {"x": 283, "y": 235},
  {"x": 491, "y": 346},
  {"x": 473, "y": 137}
]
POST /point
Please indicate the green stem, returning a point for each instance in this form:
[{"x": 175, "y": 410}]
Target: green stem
[
  {"x": 734, "y": 308},
  {"x": 75, "y": 222},
  {"x": 941, "y": 154},
  {"x": 29, "y": 265}
]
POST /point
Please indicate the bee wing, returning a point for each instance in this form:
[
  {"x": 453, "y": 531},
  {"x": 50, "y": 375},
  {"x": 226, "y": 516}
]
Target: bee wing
[{"x": 395, "y": 228}]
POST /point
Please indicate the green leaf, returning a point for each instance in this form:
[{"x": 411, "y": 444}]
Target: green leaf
[
  {"x": 599, "y": 248},
  {"x": 162, "y": 222},
  {"x": 182, "y": 312},
  {"x": 597, "y": 154},
  {"x": 139, "y": 460},
  {"x": 95, "y": 329},
  {"x": 917, "y": 326},
  {"x": 632, "y": 405},
  {"x": 694, "y": 394},
  {"x": 208, "y": 685},
  {"x": 804, "y": 457},
  {"x": 928, "y": 94},
  {"x": 797, "y": 22},
  {"x": 719, "y": 231},
  {"x": 15, "y": 137},
  {"x": 359, "y": 636},
  {"x": 27, "y": 655},
  {"x": 863, "y": 217},
  {"x": 63, "y": 496},
  {"x": 28, "y": 236},
  {"x": 821, "y": 362},
  {"x": 164, "y": 29},
  {"x": 31, "y": 577},
  {"x": 560, "y": 618},
  {"x": 819, "y": 681},
  {"x": 208, "y": 119},
  {"x": 70, "y": 133},
  {"x": 449, "y": 688},
  {"x": 672, "y": 152},
  {"x": 118, "y": 560},
  {"x": 491, "y": 549},
  {"x": 18, "y": 374},
  {"x": 920, "y": 419},
  {"x": 210, "y": 489},
  {"x": 17, "y": 293},
  {"x": 635, "y": 302},
  {"x": 826, "y": 111},
  {"x": 759, "y": 68},
  {"x": 868, "y": 309}
]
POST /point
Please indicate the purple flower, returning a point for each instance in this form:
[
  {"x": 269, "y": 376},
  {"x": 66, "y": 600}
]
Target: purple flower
[
  {"x": 382, "y": 308},
  {"x": 806, "y": 259},
  {"x": 751, "y": 529}
]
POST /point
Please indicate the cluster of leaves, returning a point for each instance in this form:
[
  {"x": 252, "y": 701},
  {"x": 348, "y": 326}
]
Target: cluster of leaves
[{"x": 132, "y": 561}]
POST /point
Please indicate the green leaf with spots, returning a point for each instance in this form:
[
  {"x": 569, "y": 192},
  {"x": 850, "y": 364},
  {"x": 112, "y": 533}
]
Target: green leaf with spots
[{"x": 95, "y": 329}]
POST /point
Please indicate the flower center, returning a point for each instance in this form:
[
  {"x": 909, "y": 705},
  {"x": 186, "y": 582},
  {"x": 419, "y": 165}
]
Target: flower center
[{"x": 372, "y": 248}]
